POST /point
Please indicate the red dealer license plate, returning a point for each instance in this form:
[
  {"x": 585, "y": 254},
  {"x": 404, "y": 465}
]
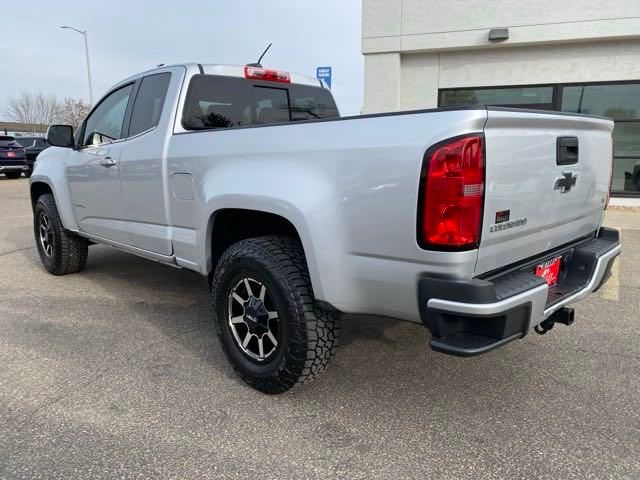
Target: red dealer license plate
[{"x": 549, "y": 270}]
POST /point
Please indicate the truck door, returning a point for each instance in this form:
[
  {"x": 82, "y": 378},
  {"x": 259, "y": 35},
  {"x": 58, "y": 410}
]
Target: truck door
[
  {"x": 93, "y": 170},
  {"x": 143, "y": 168}
]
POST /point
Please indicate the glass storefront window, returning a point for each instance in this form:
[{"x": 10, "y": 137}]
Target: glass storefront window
[
  {"x": 497, "y": 96},
  {"x": 622, "y": 103},
  {"x": 626, "y": 164},
  {"x": 626, "y": 136},
  {"x": 619, "y": 102},
  {"x": 626, "y": 175}
]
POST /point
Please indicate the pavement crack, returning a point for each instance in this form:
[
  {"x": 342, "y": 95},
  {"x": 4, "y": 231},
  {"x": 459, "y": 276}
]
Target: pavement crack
[
  {"x": 585, "y": 350},
  {"x": 2, "y": 254},
  {"x": 71, "y": 391}
]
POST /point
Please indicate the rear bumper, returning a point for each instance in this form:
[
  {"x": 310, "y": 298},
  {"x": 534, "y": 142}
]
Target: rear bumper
[
  {"x": 19, "y": 167},
  {"x": 468, "y": 318}
]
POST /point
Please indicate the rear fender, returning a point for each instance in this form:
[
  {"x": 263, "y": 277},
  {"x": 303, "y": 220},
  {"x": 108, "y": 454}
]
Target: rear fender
[{"x": 307, "y": 202}]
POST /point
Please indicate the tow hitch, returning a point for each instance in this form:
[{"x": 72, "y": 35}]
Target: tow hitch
[{"x": 565, "y": 316}]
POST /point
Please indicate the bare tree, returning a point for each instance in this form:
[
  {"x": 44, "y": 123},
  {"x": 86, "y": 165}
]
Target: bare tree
[
  {"x": 34, "y": 109},
  {"x": 73, "y": 111}
]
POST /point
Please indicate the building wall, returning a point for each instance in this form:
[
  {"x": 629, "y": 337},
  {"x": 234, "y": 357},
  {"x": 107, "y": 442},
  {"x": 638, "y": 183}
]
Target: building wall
[
  {"x": 405, "y": 25},
  {"x": 422, "y": 74},
  {"x": 414, "y": 47}
]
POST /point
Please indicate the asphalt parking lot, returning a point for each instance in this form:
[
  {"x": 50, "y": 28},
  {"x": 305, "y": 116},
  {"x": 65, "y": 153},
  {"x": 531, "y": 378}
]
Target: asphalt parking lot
[{"x": 116, "y": 373}]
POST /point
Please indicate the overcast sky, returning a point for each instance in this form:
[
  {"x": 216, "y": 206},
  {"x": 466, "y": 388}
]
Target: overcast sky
[{"x": 127, "y": 37}]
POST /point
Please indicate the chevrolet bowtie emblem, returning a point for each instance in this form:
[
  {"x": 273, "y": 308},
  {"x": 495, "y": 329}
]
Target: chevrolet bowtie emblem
[{"x": 566, "y": 182}]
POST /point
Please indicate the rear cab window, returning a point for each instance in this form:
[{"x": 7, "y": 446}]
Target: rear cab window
[
  {"x": 308, "y": 103},
  {"x": 215, "y": 102}
]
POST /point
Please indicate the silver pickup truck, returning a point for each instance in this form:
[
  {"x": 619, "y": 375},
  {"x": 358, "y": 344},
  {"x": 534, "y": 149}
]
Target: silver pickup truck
[{"x": 479, "y": 223}]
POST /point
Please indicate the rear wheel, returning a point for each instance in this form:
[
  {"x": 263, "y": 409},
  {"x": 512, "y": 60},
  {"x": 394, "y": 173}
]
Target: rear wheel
[
  {"x": 272, "y": 330},
  {"x": 13, "y": 175},
  {"x": 60, "y": 251}
]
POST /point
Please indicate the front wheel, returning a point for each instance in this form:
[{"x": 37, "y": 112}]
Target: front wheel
[
  {"x": 60, "y": 251},
  {"x": 272, "y": 330}
]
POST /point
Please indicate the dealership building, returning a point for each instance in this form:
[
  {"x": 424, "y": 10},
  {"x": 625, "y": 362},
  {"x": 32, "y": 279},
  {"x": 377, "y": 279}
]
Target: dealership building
[{"x": 574, "y": 56}]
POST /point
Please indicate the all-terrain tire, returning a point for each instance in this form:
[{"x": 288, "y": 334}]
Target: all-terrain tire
[
  {"x": 308, "y": 333},
  {"x": 68, "y": 252}
]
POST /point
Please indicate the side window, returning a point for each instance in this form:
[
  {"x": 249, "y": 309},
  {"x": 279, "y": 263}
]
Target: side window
[
  {"x": 272, "y": 105},
  {"x": 149, "y": 103},
  {"x": 105, "y": 122}
]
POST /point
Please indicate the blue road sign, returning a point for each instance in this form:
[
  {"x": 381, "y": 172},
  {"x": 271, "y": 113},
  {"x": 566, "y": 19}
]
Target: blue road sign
[{"x": 324, "y": 73}]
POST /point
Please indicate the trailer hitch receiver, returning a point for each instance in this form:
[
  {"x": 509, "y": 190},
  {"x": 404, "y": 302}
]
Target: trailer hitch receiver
[{"x": 565, "y": 316}]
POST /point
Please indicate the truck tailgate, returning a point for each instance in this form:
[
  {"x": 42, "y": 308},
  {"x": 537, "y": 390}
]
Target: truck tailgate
[{"x": 547, "y": 181}]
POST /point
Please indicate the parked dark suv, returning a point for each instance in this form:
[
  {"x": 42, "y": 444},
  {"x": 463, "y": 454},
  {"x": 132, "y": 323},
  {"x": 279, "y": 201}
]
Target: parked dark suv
[
  {"x": 13, "y": 159},
  {"x": 33, "y": 146}
]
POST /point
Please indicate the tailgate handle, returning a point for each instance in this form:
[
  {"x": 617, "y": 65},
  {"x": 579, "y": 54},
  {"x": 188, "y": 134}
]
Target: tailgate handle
[{"x": 567, "y": 150}]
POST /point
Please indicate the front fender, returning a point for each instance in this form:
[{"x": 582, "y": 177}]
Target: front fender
[{"x": 50, "y": 170}]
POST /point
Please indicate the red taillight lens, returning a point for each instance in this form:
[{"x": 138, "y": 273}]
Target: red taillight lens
[
  {"x": 453, "y": 192},
  {"x": 255, "y": 73}
]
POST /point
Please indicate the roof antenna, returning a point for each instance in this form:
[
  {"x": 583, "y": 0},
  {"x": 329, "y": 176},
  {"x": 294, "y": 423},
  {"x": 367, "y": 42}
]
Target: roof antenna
[{"x": 258, "y": 64}]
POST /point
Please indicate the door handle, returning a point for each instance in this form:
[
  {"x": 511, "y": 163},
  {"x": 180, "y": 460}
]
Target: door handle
[{"x": 107, "y": 162}]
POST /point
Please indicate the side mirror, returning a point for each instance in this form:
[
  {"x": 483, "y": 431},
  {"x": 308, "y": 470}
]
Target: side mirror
[{"x": 60, "y": 136}]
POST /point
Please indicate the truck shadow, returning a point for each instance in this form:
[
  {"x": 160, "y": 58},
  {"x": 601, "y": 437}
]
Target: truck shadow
[
  {"x": 373, "y": 350},
  {"x": 177, "y": 302}
]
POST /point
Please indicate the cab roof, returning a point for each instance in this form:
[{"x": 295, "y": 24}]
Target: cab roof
[{"x": 227, "y": 71}]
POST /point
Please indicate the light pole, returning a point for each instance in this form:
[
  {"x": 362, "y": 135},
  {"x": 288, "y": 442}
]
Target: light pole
[{"x": 86, "y": 51}]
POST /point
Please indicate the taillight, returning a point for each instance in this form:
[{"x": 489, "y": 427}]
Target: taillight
[
  {"x": 452, "y": 193},
  {"x": 11, "y": 154},
  {"x": 255, "y": 73}
]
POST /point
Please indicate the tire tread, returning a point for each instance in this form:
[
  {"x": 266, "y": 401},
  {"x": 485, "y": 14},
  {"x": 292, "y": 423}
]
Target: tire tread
[
  {"x": 314, "y": 343},
  {"x": 70, "y": 251}
]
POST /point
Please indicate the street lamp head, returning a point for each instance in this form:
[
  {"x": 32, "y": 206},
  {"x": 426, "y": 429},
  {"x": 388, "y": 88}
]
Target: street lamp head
[{"x": 83, "y": 32}]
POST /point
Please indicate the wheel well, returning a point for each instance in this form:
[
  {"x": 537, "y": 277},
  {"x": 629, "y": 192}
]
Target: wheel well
[
  {"x": 37, "y": 190},
  {"x": 232, "y": 225}
]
